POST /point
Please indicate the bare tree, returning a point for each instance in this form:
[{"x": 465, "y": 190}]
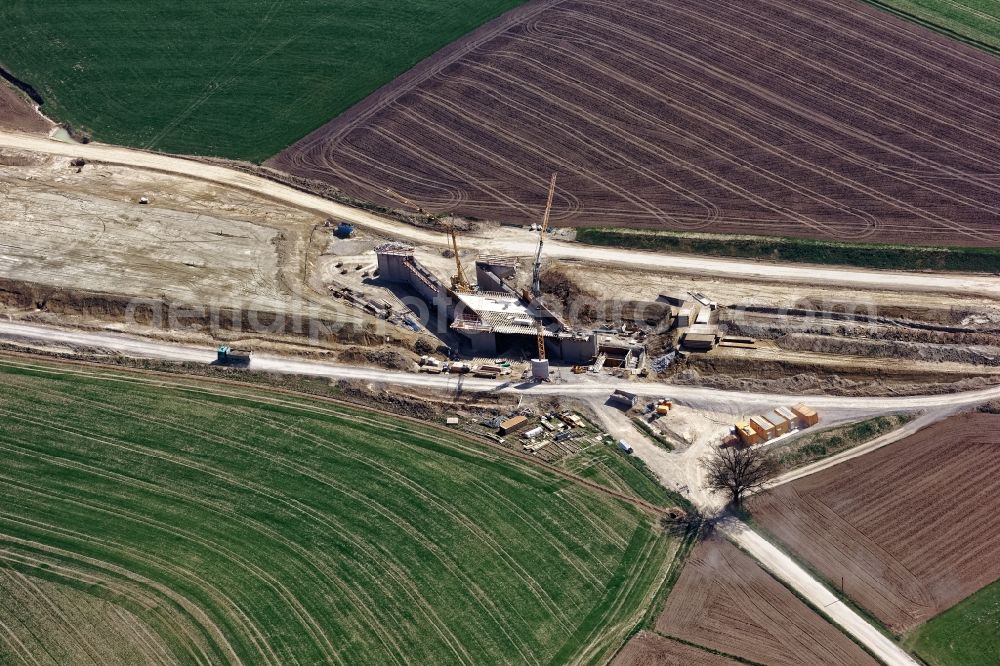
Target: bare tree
[{"x": 738, "y": 471}]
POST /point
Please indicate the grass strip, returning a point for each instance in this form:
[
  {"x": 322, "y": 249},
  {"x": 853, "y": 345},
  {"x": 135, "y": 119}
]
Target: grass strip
[{"x": 800, "y": 250}]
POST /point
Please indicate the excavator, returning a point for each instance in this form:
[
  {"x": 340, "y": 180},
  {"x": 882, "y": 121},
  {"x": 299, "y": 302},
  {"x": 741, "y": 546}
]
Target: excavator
[{"x": 459, "y": 282}]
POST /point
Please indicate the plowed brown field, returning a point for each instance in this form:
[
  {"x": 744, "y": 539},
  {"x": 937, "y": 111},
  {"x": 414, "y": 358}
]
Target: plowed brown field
[
  {"x": 815, "y": 118},
  {"x": 725, "y": 601},
  {"x": 648, "y": 649},
  {"x": 15, "y": 114},
  {"x": 912, "y": 528}
]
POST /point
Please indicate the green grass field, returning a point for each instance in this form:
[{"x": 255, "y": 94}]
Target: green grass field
[
  {"x": 218, "y": 524},
  {"x": 965, "y": 635},
  {"x": 604, "y": 464},
  {"x": 800, "y": 250},
  {"x": 976, "y": 22},
  {"x": 239, "y": 79}
]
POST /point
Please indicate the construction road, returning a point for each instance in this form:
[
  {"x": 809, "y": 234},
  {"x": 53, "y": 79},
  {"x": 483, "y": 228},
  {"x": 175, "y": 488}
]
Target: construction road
[
  {"x": 514, "y": 241},
  {"x": 581, "y": 386}
]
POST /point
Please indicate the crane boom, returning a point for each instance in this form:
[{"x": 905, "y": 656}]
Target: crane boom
[{"x": 536, "y": 274}]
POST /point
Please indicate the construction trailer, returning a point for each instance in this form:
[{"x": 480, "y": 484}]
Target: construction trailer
[
  {"x": 763, "y": 427},
  {"x": 512, "y": 425},
  {"x": 747, "y": 434},
  {"x": 807, "y": 416},
  {"x": 788, "y": 415},
  {"x": 780, "y": 421},
  {"x": 781, "y": 424}
]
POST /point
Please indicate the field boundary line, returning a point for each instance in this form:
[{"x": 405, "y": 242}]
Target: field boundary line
[{"x": 703, "y": 648}]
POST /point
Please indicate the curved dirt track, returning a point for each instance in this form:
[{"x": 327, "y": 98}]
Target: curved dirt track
[{"x": 819, "y": 119}]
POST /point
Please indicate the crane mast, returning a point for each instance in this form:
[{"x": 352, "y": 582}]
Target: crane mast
[
  {"x": 460, "y": 282},
  {"x": 536, "y": 273}
]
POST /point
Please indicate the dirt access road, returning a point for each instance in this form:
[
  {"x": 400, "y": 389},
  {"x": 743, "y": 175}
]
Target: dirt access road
[
  {"x": 585, "y": 387},
  {"x": 513, "y": 241}
]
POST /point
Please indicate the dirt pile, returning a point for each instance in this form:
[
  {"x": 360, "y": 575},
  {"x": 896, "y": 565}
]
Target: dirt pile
[
  {"x": 771, "y": 326},
  {"x": 41, "y": 302},
  {"x": 820, "y": 382},
  {"x": 428, "y": 405},
  {"x": 390, "y": 359}
]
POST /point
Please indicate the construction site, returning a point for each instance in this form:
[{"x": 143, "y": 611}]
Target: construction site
[
  {"x": 642, "y": 333},
  {"x": 621, "y": 369}
]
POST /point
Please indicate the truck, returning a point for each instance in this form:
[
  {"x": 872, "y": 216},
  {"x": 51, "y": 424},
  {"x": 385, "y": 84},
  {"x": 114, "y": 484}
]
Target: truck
[
  {"x": 226, "y": 355},
  {"x": 624, "y": 447}
]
